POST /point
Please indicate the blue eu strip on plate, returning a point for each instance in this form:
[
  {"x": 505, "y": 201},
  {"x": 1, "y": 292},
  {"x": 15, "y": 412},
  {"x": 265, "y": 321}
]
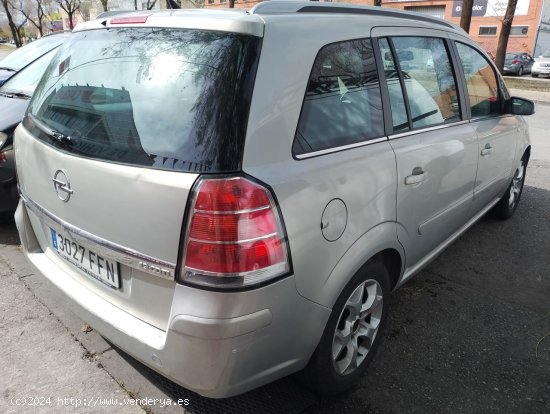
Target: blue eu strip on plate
[{"x": 54, "y": 239}]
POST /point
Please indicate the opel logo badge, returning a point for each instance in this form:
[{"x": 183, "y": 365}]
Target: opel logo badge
[{"x": 62, "y": 185}]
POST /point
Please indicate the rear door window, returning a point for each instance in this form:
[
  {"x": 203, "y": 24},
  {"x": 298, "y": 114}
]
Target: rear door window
[
  {"x": 342, "y": 105},
  {"x": 429, "y": 80},
  {"x": 164, "y": 98}
]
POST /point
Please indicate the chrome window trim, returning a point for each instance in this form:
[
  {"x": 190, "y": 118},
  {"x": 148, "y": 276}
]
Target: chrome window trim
[
  {"x": 488, "y": 117},
  {"x": 121, "y": 254},
  {"x": 338, "y": 149},
  {"x": 428, "y": 129}
]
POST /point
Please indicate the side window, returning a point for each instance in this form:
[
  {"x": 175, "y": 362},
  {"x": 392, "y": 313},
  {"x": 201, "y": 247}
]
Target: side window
[
  {"x": 342, "y": 105},
  {"x": 429, "y": 80},
  {"x": 481, "y": 81},
  {"x": 399, "y": 117}
]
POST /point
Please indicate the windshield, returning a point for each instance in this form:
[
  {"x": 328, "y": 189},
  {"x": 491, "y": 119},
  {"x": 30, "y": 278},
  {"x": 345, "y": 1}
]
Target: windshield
[
  {"x": 28, "y": 53},
  {"x": 546, "y": 54},
  {"x": 165, "y": 98},
  {"x": 25, "y": 81}
]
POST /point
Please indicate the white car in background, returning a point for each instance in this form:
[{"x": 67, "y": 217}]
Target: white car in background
[{"x": 541, "y": 65}]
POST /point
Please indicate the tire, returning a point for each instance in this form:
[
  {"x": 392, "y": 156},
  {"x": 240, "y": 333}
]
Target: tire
[
  {"x": 534, "y": 75},
  {"x": 369, "y": 289},
  {"x": 508, "y": 204},
  {"x": 520, "y": 71}
]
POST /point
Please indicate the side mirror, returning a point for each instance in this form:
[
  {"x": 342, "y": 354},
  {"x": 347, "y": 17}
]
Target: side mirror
[{"x": 521, "y": 106}]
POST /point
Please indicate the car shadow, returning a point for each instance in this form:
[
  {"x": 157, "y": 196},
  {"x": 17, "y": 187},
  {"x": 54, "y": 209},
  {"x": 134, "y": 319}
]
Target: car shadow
[
  {"x": 9, "y": 235},
  {"x": 282, "y": 396}
]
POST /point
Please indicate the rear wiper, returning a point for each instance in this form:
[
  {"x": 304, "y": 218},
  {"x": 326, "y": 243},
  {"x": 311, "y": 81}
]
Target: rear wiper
[
  {"x": 59, "y": 136},
  {"x": 8, "y": 69},
  {"x": 52, "y": 133}
]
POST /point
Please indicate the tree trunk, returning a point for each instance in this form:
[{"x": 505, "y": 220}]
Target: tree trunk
[
  {"x": 135, "y": 5},
  {"x": 71, "y": 24},
  {"x": 13, "y": 27},
  {"x": 231, "y": 4},
  {"x": 505, "y": 33},
  {"x": 466, "y": 15},
  {"x": 377, "y": 3}
]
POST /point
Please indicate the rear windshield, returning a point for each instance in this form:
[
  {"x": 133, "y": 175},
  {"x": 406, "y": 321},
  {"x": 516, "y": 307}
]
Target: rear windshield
[
  {"x": 510, "y": 56},
  {"x": 162, "y": 98}
]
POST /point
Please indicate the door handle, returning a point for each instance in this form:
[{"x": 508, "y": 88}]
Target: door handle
[
  {"x": 418, "y": 175},
  {"x": 487, "y": 150}
]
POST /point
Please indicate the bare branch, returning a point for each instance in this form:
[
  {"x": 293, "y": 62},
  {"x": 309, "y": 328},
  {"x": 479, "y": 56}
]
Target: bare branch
[{"x": 70, "y": 7}]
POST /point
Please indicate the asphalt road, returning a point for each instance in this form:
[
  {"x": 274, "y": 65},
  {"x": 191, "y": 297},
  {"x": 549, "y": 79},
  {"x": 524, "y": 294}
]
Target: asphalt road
[{"x": 467, "y": 334}]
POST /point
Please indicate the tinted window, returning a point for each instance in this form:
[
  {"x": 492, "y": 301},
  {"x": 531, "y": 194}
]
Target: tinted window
[
  {"x": 429, "y": 80},
  {"x": 342, "y": 104},
  {"x": 397, "y": 101},
  {"x": 488, "y": 31},
  {"x": 164, "y": 98},
  {"x": 481, "y": 81}
]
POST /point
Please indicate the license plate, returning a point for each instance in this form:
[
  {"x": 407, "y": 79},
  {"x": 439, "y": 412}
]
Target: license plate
[{"x": 87, "y": 260}]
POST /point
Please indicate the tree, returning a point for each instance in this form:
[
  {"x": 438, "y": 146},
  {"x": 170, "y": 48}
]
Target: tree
[
  {"x": 85, "y": 10},
  {"x": 35, "y": 12},
  {"x": 70, "y": 7},
  {"x": 466, "y": 15},
  {"x": 8, "y": 8},
  {"x": 505, "y": 33},
  {"x": 105, "y": 4},
  {"x": 151, "y": 4},
  {"x": 231, "y": 4}
]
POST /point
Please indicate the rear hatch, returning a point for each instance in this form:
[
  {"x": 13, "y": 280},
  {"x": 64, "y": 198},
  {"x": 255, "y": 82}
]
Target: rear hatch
[
  {"x": 509, "y": 58},
  {"x": 121, "y": 125}
]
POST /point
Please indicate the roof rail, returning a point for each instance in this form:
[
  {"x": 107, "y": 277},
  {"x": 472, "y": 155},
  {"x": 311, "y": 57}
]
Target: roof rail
[{"x": 290, "y": 6}]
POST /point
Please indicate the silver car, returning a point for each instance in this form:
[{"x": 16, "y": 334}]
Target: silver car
[
  {"x": 541, "y": 65},
  {"x": 230, "y": 197}
]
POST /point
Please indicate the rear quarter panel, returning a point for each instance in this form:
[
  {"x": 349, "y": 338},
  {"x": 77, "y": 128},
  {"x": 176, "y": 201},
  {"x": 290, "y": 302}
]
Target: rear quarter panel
[{"x": 364, "y": 178}]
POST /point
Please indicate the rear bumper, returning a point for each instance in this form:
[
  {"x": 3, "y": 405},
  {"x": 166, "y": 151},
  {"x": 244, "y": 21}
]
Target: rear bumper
[
  {"x": 217, "y": 344},
  {"x": 514, "y": 70}
]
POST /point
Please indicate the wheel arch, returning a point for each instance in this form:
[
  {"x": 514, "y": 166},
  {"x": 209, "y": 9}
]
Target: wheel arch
[
  {"x": 527, "y": 152},
  {"x": 379, "y": 244}
]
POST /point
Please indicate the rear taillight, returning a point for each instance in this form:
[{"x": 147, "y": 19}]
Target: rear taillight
[
  {"x": 515, "y": 62},
  {"x": 234, "y": 235}
]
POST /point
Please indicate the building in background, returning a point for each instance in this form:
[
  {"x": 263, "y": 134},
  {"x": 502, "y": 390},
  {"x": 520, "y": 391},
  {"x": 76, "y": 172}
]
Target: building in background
[
  {"x": 485, "y": 26},
  {"x": 543, "y": 36},
  {"x": 248, "y": 4},
  {"x": 486, "y": 22}
]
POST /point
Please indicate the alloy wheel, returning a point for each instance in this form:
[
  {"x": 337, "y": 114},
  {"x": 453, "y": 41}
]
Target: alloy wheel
[
  {"x": 517, "y": 184},
  {"x": 357, "y": 327}
]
